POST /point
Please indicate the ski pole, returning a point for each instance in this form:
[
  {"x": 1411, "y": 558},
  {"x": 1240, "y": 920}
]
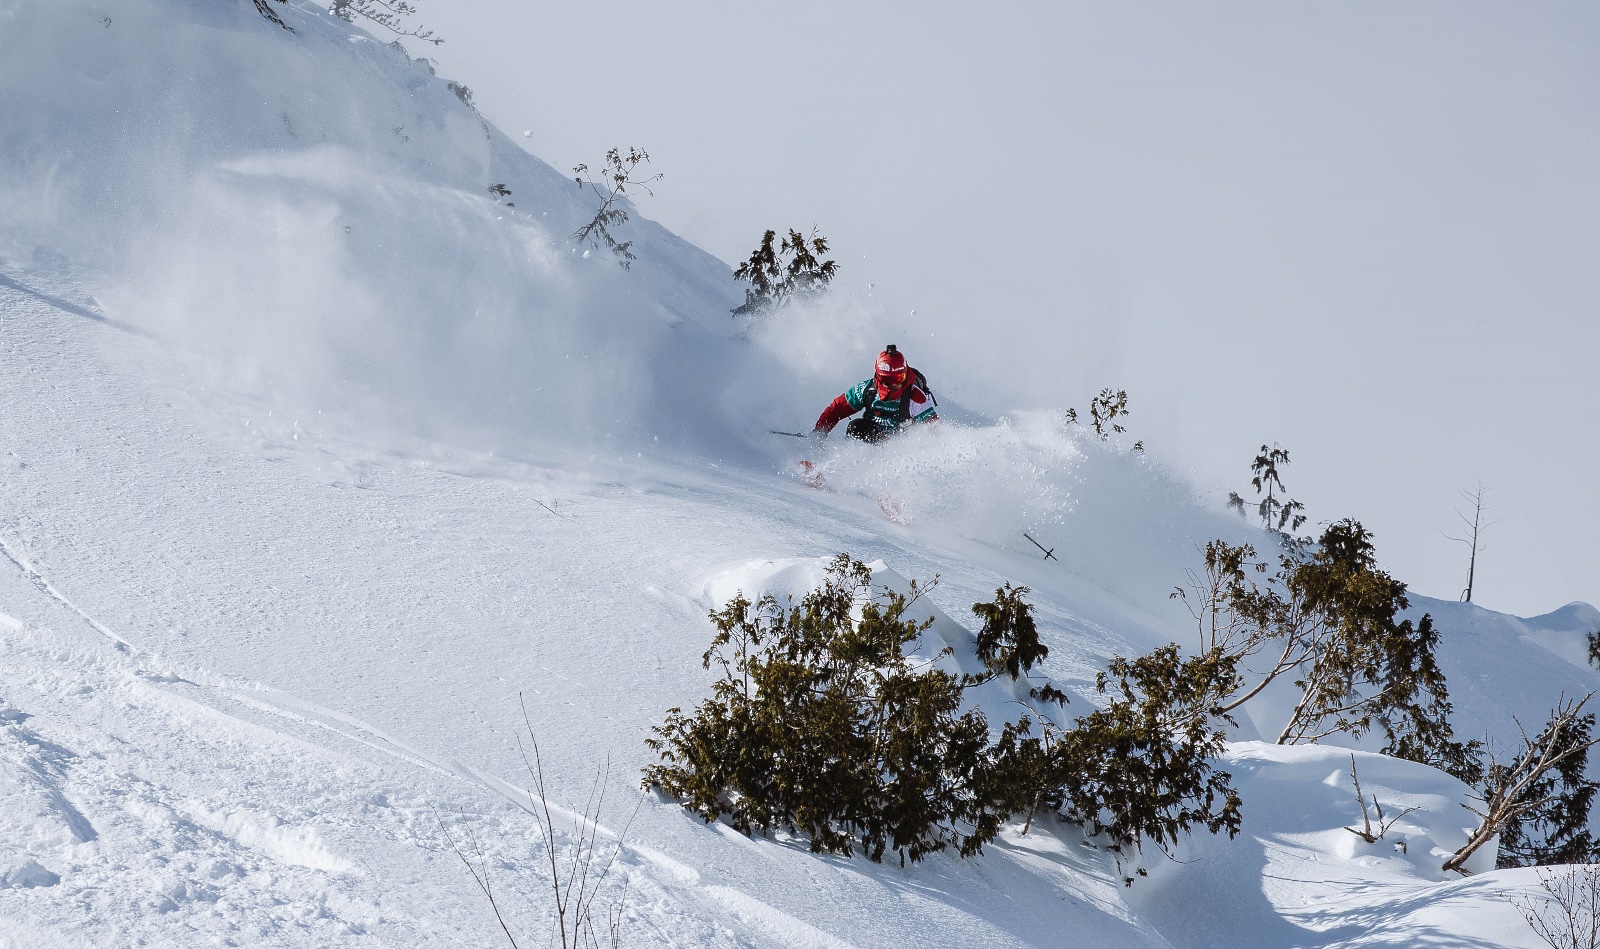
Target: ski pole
[
  {"x": 773, "y": 431},
  {"x": 1048, "y": 554}
]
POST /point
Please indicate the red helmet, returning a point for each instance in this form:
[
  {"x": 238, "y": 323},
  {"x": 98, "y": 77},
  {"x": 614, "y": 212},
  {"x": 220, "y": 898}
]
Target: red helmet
[{"x": 890, "y": 373}]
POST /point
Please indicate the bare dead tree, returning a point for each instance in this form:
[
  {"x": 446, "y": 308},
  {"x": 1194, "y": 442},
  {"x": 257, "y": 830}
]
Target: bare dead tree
[
  {"x": 1366, "y": 817},
  {"x": 1566, "y": 915},
  {"x": 1473, "y": 529},
  {"x": 613, "y": 186},
  {"x": 1504, "y": 798}
]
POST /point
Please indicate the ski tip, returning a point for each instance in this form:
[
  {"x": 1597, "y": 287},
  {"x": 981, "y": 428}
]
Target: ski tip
[{"x": 811, "y": 475}]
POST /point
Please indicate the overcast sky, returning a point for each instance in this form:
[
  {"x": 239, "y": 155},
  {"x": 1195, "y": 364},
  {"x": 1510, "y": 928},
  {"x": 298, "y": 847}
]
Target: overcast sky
[{"x": 1367, "y": 231}]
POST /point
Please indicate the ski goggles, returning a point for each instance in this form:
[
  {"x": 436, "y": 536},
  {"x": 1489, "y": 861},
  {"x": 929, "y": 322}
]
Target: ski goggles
[{"x": 892, "y": 378}]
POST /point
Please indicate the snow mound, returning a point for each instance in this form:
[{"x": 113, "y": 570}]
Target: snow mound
[
  {"x": 1575, "y": 617},
  {"x": 1297, "y": 876},
  {"x": 1566, "y": 631}
]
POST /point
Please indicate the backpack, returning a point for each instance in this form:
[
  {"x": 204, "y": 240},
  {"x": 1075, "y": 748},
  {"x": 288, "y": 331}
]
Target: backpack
[{"x": 922, "y": 383}]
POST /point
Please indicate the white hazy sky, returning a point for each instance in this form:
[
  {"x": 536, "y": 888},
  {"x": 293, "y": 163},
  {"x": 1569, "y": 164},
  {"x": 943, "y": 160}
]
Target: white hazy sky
[{"x": 1369, "y": 231}]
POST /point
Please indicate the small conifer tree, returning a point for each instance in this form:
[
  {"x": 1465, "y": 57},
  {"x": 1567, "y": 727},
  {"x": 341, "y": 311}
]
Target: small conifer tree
[
  {"x": 821, "y": 725},
  {"x": 1416, "y": 725},
  {"x": 807, "y": 272},
  {"x": 612, "y": 186},
  {"x": 796, "y": 268},
  {"x": 1008, "y": 645},
  {"x": 1104, "y": 410},
  {"x": 1141, "y": 769},
  {"x": 1008, "y": 641},
  {"x": 1330, "y": 615},
  {"x": 764, "y": 272},
  {"x": 1276, "y": 513},
  {"x": 1364, "y": 666},
  {"x": 463, "y": 93}
]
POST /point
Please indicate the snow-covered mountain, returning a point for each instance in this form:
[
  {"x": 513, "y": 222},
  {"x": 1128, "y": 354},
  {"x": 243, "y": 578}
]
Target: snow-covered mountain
[{"x": 319, "y": 462}]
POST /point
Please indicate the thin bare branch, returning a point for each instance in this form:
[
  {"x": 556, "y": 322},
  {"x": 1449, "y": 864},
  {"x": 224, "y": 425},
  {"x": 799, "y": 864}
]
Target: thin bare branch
[
  {"x": 1566, "y": 913},
  {"x": 575, "y": 882},
  {"x": 480, "y": 872}
]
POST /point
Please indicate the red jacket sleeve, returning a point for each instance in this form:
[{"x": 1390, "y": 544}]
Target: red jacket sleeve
[{"x": 837, "y": 411}]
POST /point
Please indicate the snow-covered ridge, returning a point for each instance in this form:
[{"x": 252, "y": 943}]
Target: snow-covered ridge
[{"x": 316, "y": 461}]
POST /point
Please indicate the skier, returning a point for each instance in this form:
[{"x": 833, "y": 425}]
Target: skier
[{"x": 895, "y": 396}]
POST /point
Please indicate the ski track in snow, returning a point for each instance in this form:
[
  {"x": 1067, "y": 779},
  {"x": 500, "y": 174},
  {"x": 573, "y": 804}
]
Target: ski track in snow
[{"x": 44, "y": 585}]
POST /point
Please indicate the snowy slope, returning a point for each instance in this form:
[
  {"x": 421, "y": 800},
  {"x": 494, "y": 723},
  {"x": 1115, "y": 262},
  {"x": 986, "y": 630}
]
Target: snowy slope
[{"x": 315, "y": 462}]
